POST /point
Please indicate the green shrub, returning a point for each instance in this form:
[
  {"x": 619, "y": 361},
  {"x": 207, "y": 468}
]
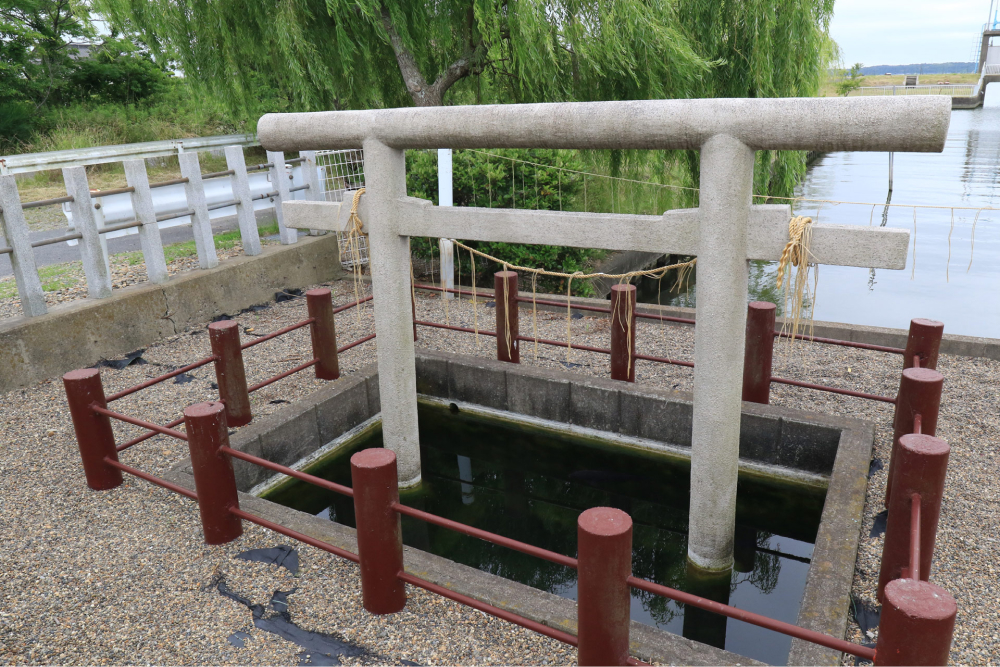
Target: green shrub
[{"x": 117, "y": 73}]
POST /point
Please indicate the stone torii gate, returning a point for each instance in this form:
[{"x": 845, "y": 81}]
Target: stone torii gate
[{"x": 724, "y": 232}]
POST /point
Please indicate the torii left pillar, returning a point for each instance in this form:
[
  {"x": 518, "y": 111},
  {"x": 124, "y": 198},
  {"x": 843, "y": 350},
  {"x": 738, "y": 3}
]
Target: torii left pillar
[{"x": 390, "y": 267}]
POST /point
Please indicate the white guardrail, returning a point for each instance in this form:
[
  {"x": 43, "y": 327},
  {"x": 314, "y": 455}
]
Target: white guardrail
[
  {"x": 955, "y": 90},
  {"x": 144, "y": 208}
]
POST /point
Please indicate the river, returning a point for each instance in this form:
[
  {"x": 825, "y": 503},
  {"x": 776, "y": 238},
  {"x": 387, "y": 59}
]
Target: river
[
  {"x": 933, "y": 285},
  {"x": 938, "y": 282}
]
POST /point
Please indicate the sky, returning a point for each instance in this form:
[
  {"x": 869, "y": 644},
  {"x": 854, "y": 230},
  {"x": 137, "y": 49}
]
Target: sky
[{"x": 898, "y": 32}]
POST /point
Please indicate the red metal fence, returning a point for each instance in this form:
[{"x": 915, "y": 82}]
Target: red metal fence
[{"x": 917, "y": 619}]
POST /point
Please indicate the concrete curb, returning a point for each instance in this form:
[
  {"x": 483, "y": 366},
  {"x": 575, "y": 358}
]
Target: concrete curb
[{"x": 81, "y": 333}]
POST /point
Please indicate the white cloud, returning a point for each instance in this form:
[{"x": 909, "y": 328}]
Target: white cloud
[{"x": 899, "y": 32}]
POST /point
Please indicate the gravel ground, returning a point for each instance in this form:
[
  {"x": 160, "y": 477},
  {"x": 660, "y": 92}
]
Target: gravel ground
[{"x": 123, "y": 576}]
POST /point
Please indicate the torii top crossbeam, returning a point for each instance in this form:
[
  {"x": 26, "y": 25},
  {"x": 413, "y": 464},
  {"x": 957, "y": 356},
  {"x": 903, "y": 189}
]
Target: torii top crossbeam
[
  {"x": 724, "y": 231},
  {"x": 914, "y": 123}
]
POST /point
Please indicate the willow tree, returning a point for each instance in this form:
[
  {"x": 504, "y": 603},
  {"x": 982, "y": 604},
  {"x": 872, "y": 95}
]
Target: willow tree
[{"x": 356, "y": 54}]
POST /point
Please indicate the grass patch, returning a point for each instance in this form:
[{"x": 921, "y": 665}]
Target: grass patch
[
  {"x": 53, "y": 279},
  {"x": 223, "y": 241}
]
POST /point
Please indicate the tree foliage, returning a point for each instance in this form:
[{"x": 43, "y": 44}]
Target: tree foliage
[{"x": 354, "y": 54}]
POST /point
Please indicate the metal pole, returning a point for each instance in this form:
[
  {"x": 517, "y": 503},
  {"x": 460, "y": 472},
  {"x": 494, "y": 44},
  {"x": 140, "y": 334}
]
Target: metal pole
[
  {"x": 924, "y": 339},
  {"x": 919, "y": 394},
  {"x": 505, "y": 298},
  {"x": 380, "y": 537},
  {"x": 94, "y": 436},
  {"x": 319, "y": 304},
  {"x": 214, "y": 479},
  {"x": 921, "y": 467},
  {"x": 604, "y": 547},
  {"x": 916, "y": 624},
  {"x": 446, "y": 193},
  {"x": 623, "y": 332},
  {"x": 230, "y": 374},
  {"x": 759, "y": 352}
]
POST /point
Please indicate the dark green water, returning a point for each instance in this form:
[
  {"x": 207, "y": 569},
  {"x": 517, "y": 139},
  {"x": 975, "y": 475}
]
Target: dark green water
[{"x": 531, "y": 484}]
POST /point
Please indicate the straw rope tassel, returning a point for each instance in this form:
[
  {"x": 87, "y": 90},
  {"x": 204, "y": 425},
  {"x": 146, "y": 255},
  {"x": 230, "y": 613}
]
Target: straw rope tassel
[
  {"x": 354, "y": 234},
  {"x": 795, "y": 254}
]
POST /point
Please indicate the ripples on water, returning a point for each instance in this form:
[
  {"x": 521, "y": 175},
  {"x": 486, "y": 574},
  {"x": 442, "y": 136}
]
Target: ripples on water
[{"x": 967, "y": 173}]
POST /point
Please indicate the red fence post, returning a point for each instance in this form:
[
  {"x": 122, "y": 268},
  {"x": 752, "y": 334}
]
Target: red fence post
[
  {"x": 759, "y": 352},
  {"x": 604, "y": 546},
  {"x": 94, "y": 436},
  {"x": 623, "y": 332},
  {"x": 319, "y": 304},
  {"x": 214, "y": 479},
  {"x": 230, "y": 374},
  {"x": 924, "y": 340},
  {"x": 916, "y": 624},
  {"x": 921, "y": 467},
  {"x": 380, "y": 537},
  {"x": 919, "y": 393},
  {"x": 505, "y": 298}
]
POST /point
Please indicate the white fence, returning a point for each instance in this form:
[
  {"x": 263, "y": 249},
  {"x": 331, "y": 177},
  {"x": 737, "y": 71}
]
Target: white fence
[
  {"x": 955, "y": 90},
  {"x": 143, "y": 208}
]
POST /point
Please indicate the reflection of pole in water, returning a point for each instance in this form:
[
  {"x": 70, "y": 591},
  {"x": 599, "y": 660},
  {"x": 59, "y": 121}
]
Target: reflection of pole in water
[
  {"x": 745, "y": 548},
  {"x": 701, "y": 625},
  {"x": 885, "y": 219},
  {"x": 465, "y": 474}
]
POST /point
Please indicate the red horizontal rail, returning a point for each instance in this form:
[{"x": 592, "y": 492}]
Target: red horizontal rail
[
  {"x": 562, "y": 304},
  {"x": 356, "y": 343},
  {"x": 663, "y": 360},
  {"x": 559, "y": 343},
  {"x": 279, "y": 332},
  {"x": 846, "y": 392},
  {"x": 147, "y": 435},
  {"x": 291, "y": 472},
  {"x": 279, "y": 376},
  {"x": 665, "y": 318},
  {"x": 510, "y": 617},
  {"x": 170, "y": 486},
  {"x": 360, "y": 301},
  {"x": 295, "y": 535},
  {"x": 437, "y": 325},
  {"x": 487, "y": 536},
  {"x": 435, "y": 288},
  {"x": 754, "y": 619},
  {"x": 159, "y": 378},
  {"x": 139, "y": 422},
  {"x": 844, "y": 343}
]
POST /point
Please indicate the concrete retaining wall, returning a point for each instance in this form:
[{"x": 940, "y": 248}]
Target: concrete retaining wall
[{"x": 81, "y": 333}]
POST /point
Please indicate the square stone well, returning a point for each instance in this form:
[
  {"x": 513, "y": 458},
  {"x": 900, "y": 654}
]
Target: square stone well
[{"x": 811, "y": 448}]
